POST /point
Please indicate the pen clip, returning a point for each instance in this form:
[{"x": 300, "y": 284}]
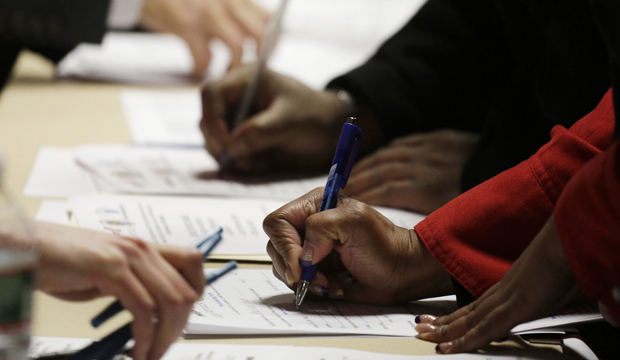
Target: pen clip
[{"x": 355, "y": 148}]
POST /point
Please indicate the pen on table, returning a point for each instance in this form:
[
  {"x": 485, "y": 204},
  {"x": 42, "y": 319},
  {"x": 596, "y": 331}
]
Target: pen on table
[
  {"x": 205, "y": 246},
  {"x": 268, "y": 43},
  {"x": 346, "y": 152}
]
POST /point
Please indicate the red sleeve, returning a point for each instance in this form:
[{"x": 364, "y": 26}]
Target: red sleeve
[
  {"x": 587, "y": 217},
  {"x": 478, "y": 235}
]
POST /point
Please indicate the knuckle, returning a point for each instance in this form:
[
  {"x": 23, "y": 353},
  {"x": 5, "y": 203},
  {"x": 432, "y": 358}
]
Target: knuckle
[
  {"x": 146, "y": 305},
  {"x": 441, "y": 331},
  {"x": 113, "y": 260},
  {"x": 175, "y": 300},
  {"x": 470, "y": 321},
  {"x": 194, "y": 257}
]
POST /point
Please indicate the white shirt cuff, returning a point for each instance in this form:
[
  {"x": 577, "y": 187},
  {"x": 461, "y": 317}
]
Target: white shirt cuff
[{"x": 124, "y": 14}]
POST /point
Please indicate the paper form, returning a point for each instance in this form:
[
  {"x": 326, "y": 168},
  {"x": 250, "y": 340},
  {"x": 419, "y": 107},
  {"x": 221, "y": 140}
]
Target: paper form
[
  {"x": 184, "y": 220},
  {"x": 179, "y": 220},
  {"x": 255, "y": 302},
  {"x": 144, "y": 58},
  {"x": 187, "y": 351},
  {"x": 57, "y": 212},
  {"x": 178, "y": 351},
  {"x": 312, "y": 29},
  {"x": 55, "y": 174},
  {"x": 570, "y": 315},
  {"x": 163, "y": 117},
  {"x": 150, "y": 170}
]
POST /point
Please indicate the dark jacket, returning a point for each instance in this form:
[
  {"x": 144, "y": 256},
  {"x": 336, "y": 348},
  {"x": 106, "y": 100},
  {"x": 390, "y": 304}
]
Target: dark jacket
[
  {"x": 508, "y": 69},
  {"x": 50, "y": 27}
]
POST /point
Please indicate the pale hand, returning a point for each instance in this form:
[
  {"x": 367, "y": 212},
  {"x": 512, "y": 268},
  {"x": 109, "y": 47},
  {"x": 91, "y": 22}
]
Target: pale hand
[
  {"x": 149, "y": 280},
  {"x": 200, "y": 21}
]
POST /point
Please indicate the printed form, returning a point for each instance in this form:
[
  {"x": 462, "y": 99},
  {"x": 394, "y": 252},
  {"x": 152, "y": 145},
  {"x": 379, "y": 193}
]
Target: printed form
[
  {"x": 150, "y": 170},
  {"x": 186, "y": 351},
  {"x": 255, "y": 302},
  {"x": 184, "y": 220}
]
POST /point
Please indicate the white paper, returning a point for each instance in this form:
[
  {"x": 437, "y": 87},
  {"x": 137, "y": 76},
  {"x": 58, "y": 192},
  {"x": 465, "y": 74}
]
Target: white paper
[
  {"x": 142, "y": 58},
  {"x": 570, "y": 315},
  {"x": 580, "y": 347},
  {"x": 336, "y": 34},
  {"x": 187, "y": 351},
  {"x": 184, "y": 220},
  {"x": 167, "y": 117},
  {"x": 255, "y": 302},
  {"x": 55, "y": 174},
  {"x": 150, "y": 170},
  {"x": 57, "y": 212},
  {"x": 177, "y": 351}
]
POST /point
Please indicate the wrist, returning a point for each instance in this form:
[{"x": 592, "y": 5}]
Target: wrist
[{"x": 423, "y": 276}]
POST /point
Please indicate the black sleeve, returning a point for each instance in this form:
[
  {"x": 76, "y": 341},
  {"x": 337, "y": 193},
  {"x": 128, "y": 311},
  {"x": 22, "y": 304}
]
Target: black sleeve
[
  {"x": 439, "y": 71},
  {"x": 52, "y": 23},
  {"x": 49, "y": 27}
]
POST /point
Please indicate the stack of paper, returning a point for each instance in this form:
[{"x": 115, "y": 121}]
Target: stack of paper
[
  {"x": 254, "y": 302},
  {"x": 186, "y": 351}
]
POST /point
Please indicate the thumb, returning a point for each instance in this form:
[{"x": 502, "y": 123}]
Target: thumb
[{"x": 261, "y": 132}]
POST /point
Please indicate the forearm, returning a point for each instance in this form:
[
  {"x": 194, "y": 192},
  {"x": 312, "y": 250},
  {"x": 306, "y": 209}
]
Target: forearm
[
  {"x": 478, "y": 235},
  {"x": 439, "y": 71}
]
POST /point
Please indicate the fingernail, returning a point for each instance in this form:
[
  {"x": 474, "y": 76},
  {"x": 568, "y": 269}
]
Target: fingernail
[
  {"x": 443, "y": 347},
  {"x": 289, "y": 277},
  {"x": 238, "y": 148},
  {"x": 346, "y": 279},
  {"x": 424, "y": 328},
  {"x": 337, "y": 294},
  {"x": 306, "y": 255},
  {"x": 319, "y": 290},
  {"x": 424, "y": 319}
]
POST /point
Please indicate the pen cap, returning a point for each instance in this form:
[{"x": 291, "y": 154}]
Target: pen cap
[{"x": 349, "y": 143}]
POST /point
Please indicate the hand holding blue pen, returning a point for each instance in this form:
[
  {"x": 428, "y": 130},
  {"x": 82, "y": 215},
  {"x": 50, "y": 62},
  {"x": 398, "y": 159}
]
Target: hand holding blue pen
[{"x": 346, "y": 152}]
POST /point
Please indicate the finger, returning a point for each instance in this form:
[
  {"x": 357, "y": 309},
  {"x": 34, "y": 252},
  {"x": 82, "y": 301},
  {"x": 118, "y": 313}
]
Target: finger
[
  {"x": 249, "y": 16},
  {"x": 495, "y": 325},
  {"x": 81, "y": 295},
  {"x": 261, "y": 132},
  {"x": 279, "y": 266},
  {"x": 328, "y": 227},
  {"x": 173, "y": 294},
  {"x": 285, "y": 226},
  {"x": 188, "y": 261},
  {"x": 213, "y": 123},
  {"x": 377, "y": 176},
  {"x": 223, "y": 26},
  {"x": 201, "y": 53},
  {"x": 134, "y": 296},
  {"x": 389, "y": 154},
  {"x": 391, "y": 195}
]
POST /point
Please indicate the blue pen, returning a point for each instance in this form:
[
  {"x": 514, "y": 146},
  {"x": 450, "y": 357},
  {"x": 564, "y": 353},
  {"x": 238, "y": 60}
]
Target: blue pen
[
  {"x": 230, "y": 266},
  {"x": 346, "y": 152},
  {"x": 205, "y": 246}
]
